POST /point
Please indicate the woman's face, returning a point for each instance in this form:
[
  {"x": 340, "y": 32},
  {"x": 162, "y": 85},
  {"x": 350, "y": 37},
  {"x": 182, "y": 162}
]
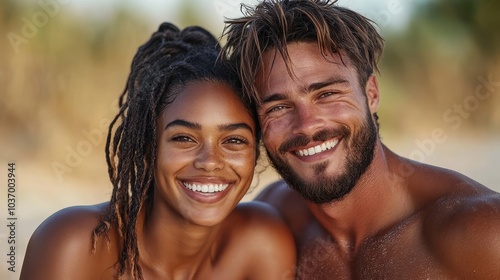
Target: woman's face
[{"x": 205, "y": 153}]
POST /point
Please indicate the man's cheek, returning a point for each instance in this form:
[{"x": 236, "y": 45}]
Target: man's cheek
[
  {"x": 268, "y": 140},
  {"x": 274, "y": 132}
]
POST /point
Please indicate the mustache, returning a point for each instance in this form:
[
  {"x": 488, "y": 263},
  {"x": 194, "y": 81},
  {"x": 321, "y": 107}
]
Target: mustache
[{"x": 320, "y": 136}]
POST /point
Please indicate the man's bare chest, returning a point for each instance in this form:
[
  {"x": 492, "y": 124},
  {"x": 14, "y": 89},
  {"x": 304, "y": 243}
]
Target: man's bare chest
[{"x": 400, "y": 253}]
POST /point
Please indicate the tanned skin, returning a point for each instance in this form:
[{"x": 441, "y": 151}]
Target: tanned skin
[
  {"x": 245, "y": 245},
  {"x": 402, "y": 219},
  {"x": 205, "y": 136}
]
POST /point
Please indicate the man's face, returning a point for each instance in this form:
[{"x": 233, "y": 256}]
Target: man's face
[{"x": 317, "y": 123}]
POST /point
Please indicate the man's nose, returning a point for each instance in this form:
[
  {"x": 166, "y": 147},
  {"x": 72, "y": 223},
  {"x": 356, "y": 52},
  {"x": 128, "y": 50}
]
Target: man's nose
[{"x": 307, "y": 120}]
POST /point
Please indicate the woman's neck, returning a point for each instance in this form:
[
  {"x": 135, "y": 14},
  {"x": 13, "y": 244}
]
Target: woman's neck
[{"x": 170, "y": 245}]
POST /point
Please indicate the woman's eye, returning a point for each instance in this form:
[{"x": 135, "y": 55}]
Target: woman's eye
[
  {"x": 236, "y": 140},
  {"x": 182, "y": 138}
]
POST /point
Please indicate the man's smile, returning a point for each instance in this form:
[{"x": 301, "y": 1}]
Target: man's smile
[{"x": 327, "y": 145}]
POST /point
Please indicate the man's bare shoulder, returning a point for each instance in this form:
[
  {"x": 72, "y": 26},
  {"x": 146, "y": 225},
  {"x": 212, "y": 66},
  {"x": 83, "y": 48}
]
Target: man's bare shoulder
[
  {"x": 463, "y": 231},
  {"x": 461, "y": 223},
  {"x": 61, "y": 247}
]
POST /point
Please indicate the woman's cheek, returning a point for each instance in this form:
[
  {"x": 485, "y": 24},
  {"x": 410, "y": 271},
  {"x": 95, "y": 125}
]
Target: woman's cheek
[{"x": 244, "y": 160}]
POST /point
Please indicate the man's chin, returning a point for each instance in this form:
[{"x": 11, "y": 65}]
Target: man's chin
[
  {"x": 320, "y": 190},
  {"x": 313, "y": 182},
  {"x": 310, "y": 172}
]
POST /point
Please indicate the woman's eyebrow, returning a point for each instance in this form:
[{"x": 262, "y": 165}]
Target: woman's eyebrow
[
  {"x": 234, "y": 126},
  {"x": 183, "y": 123},
  {"x": 197, "y": 126}
]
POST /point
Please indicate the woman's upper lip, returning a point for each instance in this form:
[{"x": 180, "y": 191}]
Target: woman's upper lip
[
  {"x": 206, "y": 189},
  {"x": 206, "y": 180}
]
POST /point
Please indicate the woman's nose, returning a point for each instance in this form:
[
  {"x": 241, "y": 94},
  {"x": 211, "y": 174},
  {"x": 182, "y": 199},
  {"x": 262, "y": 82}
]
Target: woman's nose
[{"x": 209, "y": 158}]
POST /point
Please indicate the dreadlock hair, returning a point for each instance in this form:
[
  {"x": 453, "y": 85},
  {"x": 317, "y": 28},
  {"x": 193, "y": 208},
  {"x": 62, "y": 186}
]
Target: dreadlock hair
[
  {"x": 275, "y": 23},
  {"x": 170, "y": 59}
]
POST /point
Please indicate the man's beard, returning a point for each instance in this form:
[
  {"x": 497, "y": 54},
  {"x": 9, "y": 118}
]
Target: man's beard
[{"x": 360, "y": 149}]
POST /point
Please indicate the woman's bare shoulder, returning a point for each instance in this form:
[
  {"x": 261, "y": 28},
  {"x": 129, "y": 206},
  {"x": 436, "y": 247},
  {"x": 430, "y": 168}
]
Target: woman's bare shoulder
[
  {"x": 257, "y": 218},
  {"x": 262, "y": 240},
  {"x": 61, "y": 247}
]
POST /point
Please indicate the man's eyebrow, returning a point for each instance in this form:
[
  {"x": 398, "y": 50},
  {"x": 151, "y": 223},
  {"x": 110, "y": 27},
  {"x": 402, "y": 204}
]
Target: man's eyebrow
[
  {"x": 307, "y": 89},
  {"x": 274, "y": 97},
  {"x": 234, "y": 126},
  {"x": 322, "y": 84},
  {"x": 184, "y": 123}
]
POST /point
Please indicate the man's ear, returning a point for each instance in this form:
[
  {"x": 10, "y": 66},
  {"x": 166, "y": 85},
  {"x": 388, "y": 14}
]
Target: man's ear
[{"x": 372, "y": 94}]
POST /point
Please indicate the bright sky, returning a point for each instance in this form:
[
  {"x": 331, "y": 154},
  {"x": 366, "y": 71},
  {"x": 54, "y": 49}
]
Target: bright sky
[{"x": 390, "y": 14}]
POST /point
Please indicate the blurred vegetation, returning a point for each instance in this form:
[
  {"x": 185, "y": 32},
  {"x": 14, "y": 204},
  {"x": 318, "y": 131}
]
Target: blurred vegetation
[
  {"x": 68, "y": 76},
  {"x": 438, "y": 61},
  {"x": 63, "y": 79}
]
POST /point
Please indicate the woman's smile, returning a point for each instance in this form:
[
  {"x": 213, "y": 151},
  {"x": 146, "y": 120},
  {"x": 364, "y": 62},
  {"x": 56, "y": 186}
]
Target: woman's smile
[{"x": 207, "y": 192}]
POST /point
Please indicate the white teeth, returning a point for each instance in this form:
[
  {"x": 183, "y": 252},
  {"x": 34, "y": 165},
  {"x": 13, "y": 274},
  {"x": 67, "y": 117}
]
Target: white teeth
[
  {"x": 205, "y": 188},
  {"x": 318, "y": 149}
]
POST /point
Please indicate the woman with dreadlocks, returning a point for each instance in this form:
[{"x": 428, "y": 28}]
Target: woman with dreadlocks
[{"x": 181, "y": 154}]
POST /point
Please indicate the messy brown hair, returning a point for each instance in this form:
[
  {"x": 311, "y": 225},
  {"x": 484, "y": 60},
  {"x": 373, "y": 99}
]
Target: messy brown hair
[{"x": 273, "y": 24}]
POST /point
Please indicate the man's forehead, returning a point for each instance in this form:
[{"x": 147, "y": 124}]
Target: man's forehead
[
  {"x": 297, "y": 55},
  {"x": 303, "y": 57}
]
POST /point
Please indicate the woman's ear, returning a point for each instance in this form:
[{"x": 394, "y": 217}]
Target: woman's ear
[{"x": 372, "y": 94}]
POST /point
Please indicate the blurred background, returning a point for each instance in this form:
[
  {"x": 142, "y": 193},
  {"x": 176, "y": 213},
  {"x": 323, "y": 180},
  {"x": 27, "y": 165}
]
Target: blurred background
[{"x": 63, "y": 64}]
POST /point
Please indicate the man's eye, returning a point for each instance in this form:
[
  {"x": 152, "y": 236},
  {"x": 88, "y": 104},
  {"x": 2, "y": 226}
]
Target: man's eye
[
  {"x": 326, "y": 94},
  {"x": 275, "y": 109}
]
